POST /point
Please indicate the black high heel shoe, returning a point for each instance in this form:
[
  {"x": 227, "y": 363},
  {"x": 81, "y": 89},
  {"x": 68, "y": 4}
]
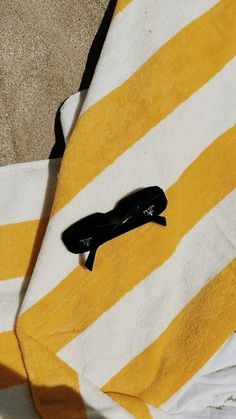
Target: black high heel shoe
[{"x": 130, "y": 212}]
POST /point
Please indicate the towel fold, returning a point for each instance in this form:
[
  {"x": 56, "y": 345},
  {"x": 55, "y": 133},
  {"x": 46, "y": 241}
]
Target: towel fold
[{"x": 149, "y": 332}]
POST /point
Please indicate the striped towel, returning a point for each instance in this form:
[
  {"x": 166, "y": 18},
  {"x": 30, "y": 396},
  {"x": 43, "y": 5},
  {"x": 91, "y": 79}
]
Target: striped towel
[{"x": 149, "y": 332}]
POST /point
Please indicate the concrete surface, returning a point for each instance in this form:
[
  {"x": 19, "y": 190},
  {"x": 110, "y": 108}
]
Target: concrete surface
[{"x": 44, "y": 46}]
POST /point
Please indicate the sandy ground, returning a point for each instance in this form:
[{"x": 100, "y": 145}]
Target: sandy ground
[{"x": 44, "y": 46}]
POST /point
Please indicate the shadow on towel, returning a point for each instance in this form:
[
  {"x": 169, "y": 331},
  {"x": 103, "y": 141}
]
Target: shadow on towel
[{"x": 16, "y": 400}]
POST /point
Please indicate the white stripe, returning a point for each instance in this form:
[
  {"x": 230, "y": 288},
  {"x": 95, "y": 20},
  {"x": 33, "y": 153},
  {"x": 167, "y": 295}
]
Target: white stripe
[
  {"x": 137, "y": 319},
  {"x": 16, "y": 403},
  {"x": 158, "y": 158},
  {"x": 137, "y": 32},
  {"x": 157, "y": 413},
  {"x": 11, "y": 295},
  {"x": 98, "y": 404},
  {"x": 27, "y": 190},
  {"x": 70, "y": 111}
]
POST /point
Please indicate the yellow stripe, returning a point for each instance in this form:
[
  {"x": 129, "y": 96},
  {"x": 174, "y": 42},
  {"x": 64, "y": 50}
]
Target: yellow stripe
[
  {"x": 83, "y": 296},
  {"x": 19, "y": 247},
  {"x": 170, "y": 76},
  {"x": 12, "y": 372},
  {"x": 121, "y": 4},
  {"x": 188, "y": 342},
  {"x": 53, "y": 383},
  {"x": 12, "y": 369}
]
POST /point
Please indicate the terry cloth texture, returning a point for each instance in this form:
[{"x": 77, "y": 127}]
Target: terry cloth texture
[
  {"x": 149, "y": 332},
  {"x": 44, "y": 45},
  {"x": 209, "y": 391}
]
